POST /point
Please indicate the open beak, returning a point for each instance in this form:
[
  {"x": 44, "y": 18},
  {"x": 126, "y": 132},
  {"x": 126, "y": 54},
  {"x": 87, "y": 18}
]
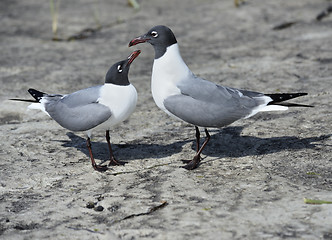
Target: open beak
[
  {"x": 132, "y": 56},
  {"x": 140, "y": 39}
]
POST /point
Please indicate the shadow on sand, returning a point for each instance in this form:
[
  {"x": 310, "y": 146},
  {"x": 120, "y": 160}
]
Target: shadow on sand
[
  {"x": 228, "y": 142},
  {"x": 225, "y": 142}
]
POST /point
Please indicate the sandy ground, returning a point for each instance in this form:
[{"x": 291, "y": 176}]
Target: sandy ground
[{"x": 254, "y": 174}]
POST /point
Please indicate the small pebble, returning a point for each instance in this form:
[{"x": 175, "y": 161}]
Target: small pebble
[
  {"x": 99, "y": 208},
  {"x": 90, "y": 205}
]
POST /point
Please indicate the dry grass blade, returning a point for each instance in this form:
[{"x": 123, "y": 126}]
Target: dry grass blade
[
  {"x": 55, "y": 14},
  {"x": 151, "y": 210},
  {"x": 324, "y": 14},
  {"x": 134, "y": 4},
  {"x": 316, "y": 201}
]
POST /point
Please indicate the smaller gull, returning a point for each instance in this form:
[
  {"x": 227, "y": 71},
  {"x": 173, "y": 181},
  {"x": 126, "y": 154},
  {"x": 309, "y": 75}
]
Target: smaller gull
[
  {"x": 98, "y": 107},
  {"x": 181, "y": 94}
]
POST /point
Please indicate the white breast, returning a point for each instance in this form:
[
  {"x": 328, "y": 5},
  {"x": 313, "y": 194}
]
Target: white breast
[
  {"x": 167, "y": 71},
  {"x": 120, "y": 99}
]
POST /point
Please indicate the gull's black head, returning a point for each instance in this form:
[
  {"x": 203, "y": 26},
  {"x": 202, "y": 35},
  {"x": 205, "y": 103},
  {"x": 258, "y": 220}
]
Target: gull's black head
[
  {"x": 160, "y": 37},
  {"x": 118, "y": 73}
]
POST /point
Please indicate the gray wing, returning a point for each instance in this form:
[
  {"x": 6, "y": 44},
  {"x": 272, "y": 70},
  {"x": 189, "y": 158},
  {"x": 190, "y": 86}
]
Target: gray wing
[
  {"x": 207, "y": 104},
  {"x": 78, "y": 111}
]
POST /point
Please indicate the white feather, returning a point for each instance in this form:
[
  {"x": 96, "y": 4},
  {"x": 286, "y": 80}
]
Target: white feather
[
  {"x": 39, "y": 106},
  {"x": 167, "y": 71},
  {"x": 265, "y": 108},
  {"x": 273, "y": 108}
]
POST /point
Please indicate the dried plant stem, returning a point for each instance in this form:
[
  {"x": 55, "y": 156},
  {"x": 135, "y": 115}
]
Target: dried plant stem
[{"x": 55, "y": 13}]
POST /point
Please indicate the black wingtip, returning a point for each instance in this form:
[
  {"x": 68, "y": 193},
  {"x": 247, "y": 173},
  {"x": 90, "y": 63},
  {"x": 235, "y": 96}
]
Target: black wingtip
[
  {"x": 281, "y": 97},
  {"x": 36, "y": 94},
  {"x": 23, "y": 100},
  {"x": 288, "y": 104}
]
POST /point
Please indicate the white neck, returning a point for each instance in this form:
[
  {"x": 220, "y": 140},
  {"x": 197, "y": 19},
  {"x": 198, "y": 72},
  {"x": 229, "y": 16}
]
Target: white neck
[
  {"x": 167, "y": 71},
  {"x": 171, "y": 62}
]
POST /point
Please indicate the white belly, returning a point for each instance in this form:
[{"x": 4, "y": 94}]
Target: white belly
[
  {"x": 167, "y": 71},
  {"x": 121, "y": 100},
  {"x": 162, "y": 87}
]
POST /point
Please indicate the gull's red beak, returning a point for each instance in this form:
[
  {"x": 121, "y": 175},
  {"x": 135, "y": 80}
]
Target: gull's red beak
[
  {"x": 132, "y": 56},
  {"x": 140, "y": 39}
]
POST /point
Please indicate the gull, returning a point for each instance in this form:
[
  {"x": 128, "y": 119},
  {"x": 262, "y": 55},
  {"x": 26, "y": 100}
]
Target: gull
[
  {"x": 98, "y": 107},
  {"x": 178, "y": 92}
]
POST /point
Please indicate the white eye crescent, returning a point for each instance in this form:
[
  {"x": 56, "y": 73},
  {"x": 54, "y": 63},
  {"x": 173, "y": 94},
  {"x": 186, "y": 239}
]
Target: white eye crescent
[
  {"x": 154, "y": 34},
  {"x": 119, "y": 68}
]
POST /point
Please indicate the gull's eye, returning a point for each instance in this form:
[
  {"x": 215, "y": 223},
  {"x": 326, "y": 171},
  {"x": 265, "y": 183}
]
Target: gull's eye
[
  {"x": 154, "y": 34},
  {"x": 119, "y": 68}
]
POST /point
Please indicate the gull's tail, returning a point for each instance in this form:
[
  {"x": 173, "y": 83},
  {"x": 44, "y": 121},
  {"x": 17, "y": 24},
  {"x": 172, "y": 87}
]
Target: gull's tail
[
  {"x": 37, "y": 103},
  {"x": 279, "y": 98}
]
